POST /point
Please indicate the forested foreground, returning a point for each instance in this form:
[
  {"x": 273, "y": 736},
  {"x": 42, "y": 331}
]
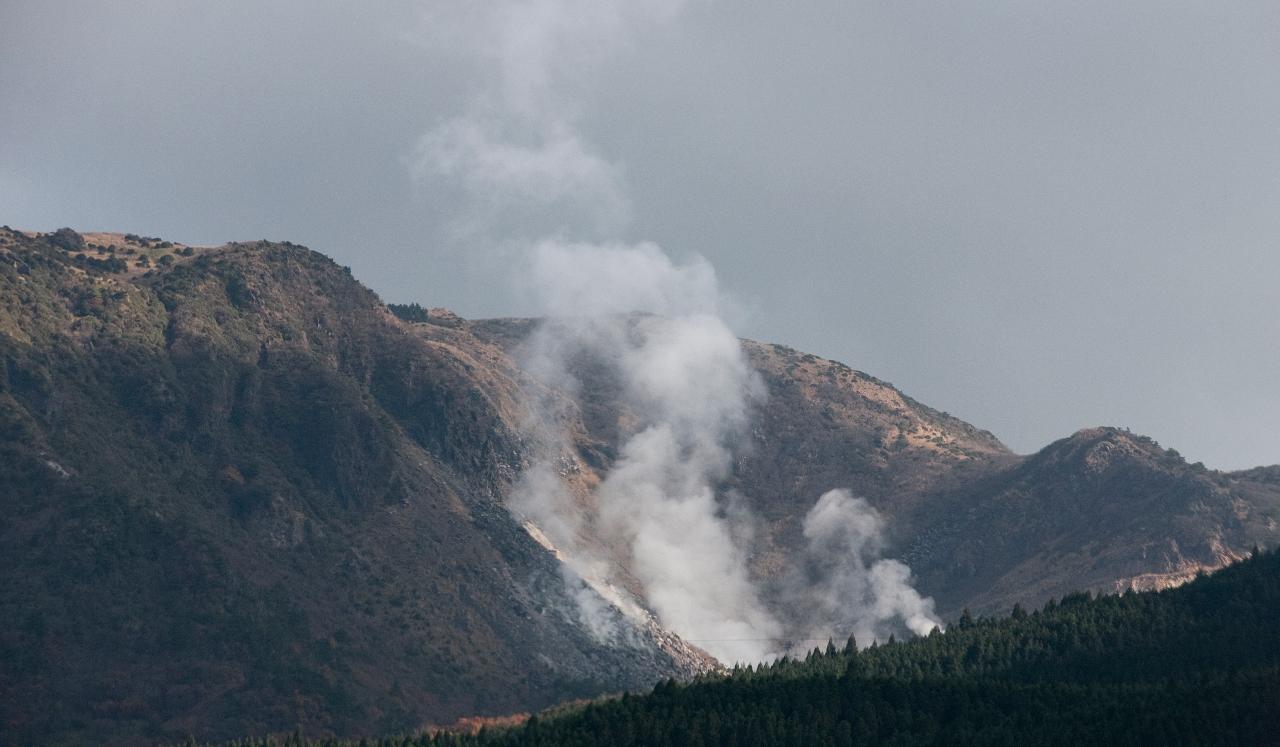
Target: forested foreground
[{"x": 1195, "y": 665}]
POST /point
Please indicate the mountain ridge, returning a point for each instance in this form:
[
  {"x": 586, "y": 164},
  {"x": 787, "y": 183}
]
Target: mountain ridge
[
  {"x": 240, "y": 481},
  {"x": 235, "y": 477}
]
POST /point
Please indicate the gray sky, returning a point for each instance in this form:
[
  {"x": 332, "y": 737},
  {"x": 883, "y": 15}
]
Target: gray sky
[{"x": 1037, "y": 216}]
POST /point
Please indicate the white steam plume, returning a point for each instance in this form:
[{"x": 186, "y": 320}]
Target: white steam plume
[
  {"x": 518, "y": 152},
  {"x": 843, "y": 587},
  {"x": 518, "y": 156},
  {"x": 684, "y": 375}
]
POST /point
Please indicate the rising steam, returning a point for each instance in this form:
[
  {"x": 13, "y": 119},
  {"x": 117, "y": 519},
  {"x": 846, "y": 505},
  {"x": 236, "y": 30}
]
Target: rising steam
[
  {"x": 655, "y": 520},
  {"x": 517, "y": 152},
  {"x": 683, "y": 374},
  {"x": 842, "y": 584}
]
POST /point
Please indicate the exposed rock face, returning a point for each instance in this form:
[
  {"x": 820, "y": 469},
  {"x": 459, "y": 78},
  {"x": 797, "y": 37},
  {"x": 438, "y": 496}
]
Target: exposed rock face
[{"x": 241, "y": 495}]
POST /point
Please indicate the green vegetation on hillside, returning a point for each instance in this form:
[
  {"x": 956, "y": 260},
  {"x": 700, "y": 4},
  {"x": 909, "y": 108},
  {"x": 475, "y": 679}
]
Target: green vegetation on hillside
[
  {"x": 1195, "y": 665},
  {"x": 410, "y": 312},
  {"x": 237, "y": 498}
]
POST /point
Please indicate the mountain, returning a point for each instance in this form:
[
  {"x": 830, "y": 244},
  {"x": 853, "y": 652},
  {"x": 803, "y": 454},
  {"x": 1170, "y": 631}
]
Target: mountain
[
  {"x": 1195, "y": 665},
  {"x": 1103, "y": 509},
  {"x": 981, "y": 527},
  {"x": 240, "y": 494}
]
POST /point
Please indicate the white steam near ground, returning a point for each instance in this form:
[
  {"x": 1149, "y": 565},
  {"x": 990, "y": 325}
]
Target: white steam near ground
[
  {"x": 683, "y": 374},
  {"x": 843, "y": 584},
  {"x": 519, "y": 157}
]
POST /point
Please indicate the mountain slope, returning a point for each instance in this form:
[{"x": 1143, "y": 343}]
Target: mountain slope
[
  {"x": 1198, "y": 664},
  {"x": 1194, "y": 665},
  {"x": 239, "y": 495},
  {"x": 980, "y": 526},
  {"x": 1104, "y": 510}
]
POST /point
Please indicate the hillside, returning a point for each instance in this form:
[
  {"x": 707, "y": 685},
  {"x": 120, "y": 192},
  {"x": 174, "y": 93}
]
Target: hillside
[
  {"x": 241, "y": 495},
  {"x": 981, "y": 527},
  {"x": 1198, "y": 664},
  {"x": 1103, "y": 509}
]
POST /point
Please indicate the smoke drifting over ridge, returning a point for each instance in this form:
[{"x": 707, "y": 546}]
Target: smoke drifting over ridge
[{"x": 520, "y": 159}]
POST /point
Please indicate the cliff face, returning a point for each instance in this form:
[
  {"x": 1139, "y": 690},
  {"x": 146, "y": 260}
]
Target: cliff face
[{"x": 241, "y": 495}]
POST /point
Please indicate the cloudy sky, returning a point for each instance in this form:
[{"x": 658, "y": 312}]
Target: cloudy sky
[{"x": 1037, "y": 216}]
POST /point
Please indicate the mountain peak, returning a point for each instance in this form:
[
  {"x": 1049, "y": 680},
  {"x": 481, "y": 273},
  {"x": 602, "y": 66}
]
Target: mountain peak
[{"x": 1103, "y": 447}]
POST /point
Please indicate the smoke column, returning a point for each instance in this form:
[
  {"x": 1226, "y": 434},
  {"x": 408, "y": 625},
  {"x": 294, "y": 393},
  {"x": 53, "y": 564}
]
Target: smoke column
[{"x": 519, "y": 157}]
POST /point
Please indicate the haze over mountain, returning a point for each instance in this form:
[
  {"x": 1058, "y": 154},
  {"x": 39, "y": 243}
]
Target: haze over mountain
[{"x": 242, "y": 495}]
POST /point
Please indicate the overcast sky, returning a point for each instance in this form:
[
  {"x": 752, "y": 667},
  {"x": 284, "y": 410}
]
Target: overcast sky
[{"x": 1037, "y": 216}]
